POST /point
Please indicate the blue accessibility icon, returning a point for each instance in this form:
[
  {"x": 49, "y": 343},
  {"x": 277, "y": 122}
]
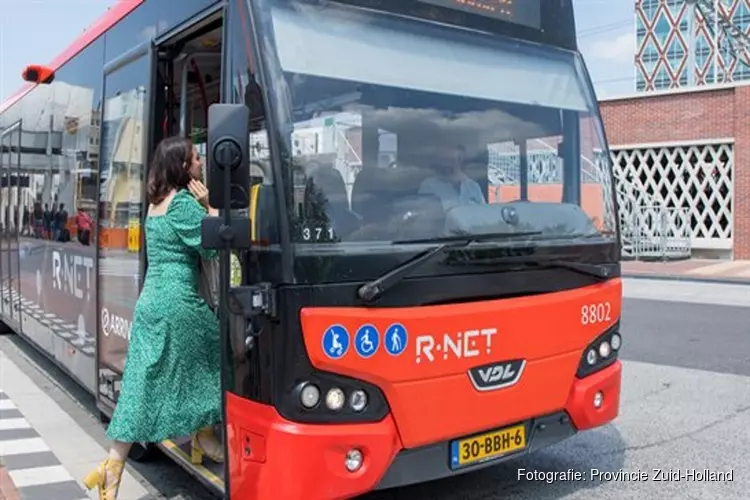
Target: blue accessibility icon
[
  {"x": 367, "y": 341},
  {"x": 395, "y": 339},
  {"x": 335, "y": 341}
]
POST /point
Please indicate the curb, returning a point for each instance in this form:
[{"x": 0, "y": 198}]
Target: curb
[
  {"x": 689, "y": 279},
  {"x": 7, "y": 488}
]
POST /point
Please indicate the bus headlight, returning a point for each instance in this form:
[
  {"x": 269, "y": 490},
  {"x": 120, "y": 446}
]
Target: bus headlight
[
  {"x": 601, "y": 353},
  {"x": 591, "y": 357},
  {"x": 604, "y": 349},
  {"x": 598, "y": 399},
  {"x": 329, "y": 398},
  {"x": 335, "y": 399},
  {"x": 358, "y": 400},
  {"x": 354, "y": 459},
  {"x": 310, "y": 396},
  {"x": 616, "y": 341}
]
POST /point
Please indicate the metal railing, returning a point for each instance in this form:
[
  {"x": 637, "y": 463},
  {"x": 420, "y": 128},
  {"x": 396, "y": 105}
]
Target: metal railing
[
  {"x": 649, "y": 230},
  {"x": 660, "y": 233}
]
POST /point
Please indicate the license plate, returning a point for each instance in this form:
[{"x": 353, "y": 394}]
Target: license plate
[{"x": 487, "y": 446}]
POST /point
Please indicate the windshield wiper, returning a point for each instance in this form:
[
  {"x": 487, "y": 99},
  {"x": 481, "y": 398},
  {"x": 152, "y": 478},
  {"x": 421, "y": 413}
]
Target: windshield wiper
[
  {"x": 601, "y": 271},
  {"x": 375, "y": 288}
]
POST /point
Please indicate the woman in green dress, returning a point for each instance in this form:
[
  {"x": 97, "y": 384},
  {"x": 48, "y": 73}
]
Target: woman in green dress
[{"x": 171, "y": 382}]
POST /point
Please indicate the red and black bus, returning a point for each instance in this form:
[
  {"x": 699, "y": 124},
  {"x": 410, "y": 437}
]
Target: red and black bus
[{"x": 420, "y": 275}]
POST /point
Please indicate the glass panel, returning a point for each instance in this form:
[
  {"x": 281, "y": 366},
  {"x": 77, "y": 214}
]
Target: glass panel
[
  {"x": 545, "y": 166},
  {"x": 121, "y": 201},
  {"x": 428, "y": 63},
  {"x": 149, "y": 20},
  {"x": 58, "y": 181},
  {"x": 5, "y": 226},
  {"x": 12, "y": 292},
  {"x": 419, "y": 153}
]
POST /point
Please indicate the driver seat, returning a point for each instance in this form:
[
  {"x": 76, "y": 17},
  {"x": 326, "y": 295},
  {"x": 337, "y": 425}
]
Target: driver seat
[{"x": 327, "y": 203}]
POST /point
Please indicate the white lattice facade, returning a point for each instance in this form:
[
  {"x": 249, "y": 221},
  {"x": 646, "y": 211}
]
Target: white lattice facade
[{"x": 691, "y": 184}]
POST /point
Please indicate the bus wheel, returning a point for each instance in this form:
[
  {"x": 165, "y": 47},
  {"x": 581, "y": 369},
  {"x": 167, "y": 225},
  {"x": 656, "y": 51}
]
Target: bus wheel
[{"x": 141, "y": 452}]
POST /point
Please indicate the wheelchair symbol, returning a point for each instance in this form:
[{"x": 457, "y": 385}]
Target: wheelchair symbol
[{"x": 367, "y": 341}]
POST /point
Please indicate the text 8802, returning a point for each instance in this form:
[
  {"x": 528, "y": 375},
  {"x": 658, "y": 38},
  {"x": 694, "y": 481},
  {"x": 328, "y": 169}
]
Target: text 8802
[{"x": 592, "y": 314}]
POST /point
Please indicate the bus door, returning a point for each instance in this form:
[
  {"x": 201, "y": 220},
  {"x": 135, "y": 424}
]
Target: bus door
[
  {"x": 10, "y": 166},
  {"x": 124, "y": 152}
]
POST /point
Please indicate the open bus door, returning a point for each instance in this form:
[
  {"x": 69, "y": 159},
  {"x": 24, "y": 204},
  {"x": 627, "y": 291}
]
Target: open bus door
[
  {"x": 120, "y": 262},
  {"x": 179, "y": 75}
]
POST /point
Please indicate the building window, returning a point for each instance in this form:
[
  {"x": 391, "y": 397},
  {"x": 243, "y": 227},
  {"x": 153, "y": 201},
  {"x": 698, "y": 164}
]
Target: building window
[
  {"x": 662, "y": 80},
  {"x": 649, "y": 8},
  {"x": 640, "y": 82}
]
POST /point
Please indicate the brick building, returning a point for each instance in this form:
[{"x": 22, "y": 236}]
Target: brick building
[{"x": 682, "y": 164}]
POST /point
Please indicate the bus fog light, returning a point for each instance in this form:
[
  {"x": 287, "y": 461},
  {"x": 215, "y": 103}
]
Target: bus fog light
[
  {"x": 598, "y": 399},
  {"x": 358, "y": 400},
  {"x": 616, "y": 341},
  {"x": 310, "y": 396},
  {"x": 354, "y": 459},
  {"x": 591, "y": 357},
  {"x": 604, "y": 349},
  {"x": 335, "y": 399}
]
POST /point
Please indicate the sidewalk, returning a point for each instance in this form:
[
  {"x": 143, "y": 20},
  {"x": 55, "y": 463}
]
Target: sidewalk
[
  {"x": 725, "y": 271},
  {"x": 30, "y": 468},
  {"x": 44, "y": 453}
]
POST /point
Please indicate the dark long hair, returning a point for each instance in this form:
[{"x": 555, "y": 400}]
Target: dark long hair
[{"x": 169, "y": 168}]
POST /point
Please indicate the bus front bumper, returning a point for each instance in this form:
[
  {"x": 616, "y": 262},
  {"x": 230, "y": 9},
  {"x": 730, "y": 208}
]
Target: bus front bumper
[{"x": 272, "y": 458}]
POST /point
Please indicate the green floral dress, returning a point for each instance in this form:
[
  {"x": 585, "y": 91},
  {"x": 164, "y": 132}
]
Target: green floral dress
[{"x": 171, "y": 384}]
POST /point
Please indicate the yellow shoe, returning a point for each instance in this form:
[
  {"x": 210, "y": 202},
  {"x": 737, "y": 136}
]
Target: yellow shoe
[
  {"x": 107, "y": 478},
  {"x": 205, "y": 443}
]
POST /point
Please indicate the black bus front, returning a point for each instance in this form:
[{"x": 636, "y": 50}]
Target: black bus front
[{"x": 435, "y": 202}]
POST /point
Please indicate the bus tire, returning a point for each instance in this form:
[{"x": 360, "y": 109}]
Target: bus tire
[{"x": 141, "y": 452}]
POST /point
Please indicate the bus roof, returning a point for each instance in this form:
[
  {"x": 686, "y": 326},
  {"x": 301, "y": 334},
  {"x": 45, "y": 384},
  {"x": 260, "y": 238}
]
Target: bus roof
[{"x": 118, "y": 11}]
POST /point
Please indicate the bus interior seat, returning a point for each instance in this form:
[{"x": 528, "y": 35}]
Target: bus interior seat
[
  {"x": 370, "y": 193},
  {"x": 326, "y": 192}
]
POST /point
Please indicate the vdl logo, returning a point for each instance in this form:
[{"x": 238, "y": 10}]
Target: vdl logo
[
  {"x": 367, "y": 340},
  {"x": 496, "y": 375}
]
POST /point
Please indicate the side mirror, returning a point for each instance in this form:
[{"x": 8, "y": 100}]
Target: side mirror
[
  {"x": 35, "y": 73},
  {"x": 228, "y": 156}
]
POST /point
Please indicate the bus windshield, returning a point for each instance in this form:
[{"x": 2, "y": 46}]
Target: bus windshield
[{"x": 407, "y": 130}]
